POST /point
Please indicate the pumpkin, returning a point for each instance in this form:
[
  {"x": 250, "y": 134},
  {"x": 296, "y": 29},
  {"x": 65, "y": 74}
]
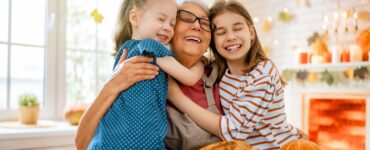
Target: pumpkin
[
  {"x": 301, "y": 144},
  {"x": 228, "y": 145},
  {"x": 363, "y": 40},
  {"x": 319, "y": 48},
  {"x": 73, "y": 113}
]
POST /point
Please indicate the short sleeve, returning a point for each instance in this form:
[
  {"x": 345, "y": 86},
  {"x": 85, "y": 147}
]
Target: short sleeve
[
  {"x": 152, "y": 48},
  {"x": 146, "y": 47}
]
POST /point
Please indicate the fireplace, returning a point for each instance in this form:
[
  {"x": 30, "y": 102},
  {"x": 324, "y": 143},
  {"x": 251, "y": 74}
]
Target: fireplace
[{"x": 337, "y": 121}]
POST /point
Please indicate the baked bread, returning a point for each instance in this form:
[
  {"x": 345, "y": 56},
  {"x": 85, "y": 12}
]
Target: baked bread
[{"x": 228, "y": 145}]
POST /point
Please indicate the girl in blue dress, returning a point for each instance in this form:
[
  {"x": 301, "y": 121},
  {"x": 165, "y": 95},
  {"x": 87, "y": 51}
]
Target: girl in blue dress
[{"x": 137, "y": 119}]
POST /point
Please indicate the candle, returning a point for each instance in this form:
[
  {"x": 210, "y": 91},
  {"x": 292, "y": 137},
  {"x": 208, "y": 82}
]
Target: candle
[
  {"x": 317, "y": 60},
  {"x": 336, "y": 53},
  {"x": 355, "y": 16},
  {"x": 345, "y": 55},
  {"x": 355, "y": 53},
  {"x": 302, "y": 56},
  {"x": 336, "y": 22}
]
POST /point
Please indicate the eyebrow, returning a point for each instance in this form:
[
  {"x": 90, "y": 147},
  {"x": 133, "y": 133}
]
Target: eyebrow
[{"x": 202, "y": 16}]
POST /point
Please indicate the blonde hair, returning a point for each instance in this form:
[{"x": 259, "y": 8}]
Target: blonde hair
[{"x": 123, "y": 27}]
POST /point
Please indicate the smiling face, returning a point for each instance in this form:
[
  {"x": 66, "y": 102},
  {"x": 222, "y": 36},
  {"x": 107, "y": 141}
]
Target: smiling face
[
  {"x": 190, "y": 41},
  {"x": 232, "y": 36},
  {"x": 156, "y": 21}
]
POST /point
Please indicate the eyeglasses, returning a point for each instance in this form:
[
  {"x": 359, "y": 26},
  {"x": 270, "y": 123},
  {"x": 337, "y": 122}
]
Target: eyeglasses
[{"x": 189, "y": 17}]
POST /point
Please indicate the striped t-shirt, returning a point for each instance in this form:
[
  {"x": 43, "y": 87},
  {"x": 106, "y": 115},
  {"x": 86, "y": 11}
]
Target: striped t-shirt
[{"x": 254, "y": 108}]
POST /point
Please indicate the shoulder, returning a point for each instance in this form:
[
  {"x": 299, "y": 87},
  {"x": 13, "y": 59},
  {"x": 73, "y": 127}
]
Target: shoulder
[
  {"x": 130, "y": 43},
  {"x": 265, "y": 68},
  {"x": 151, "y": 43}
]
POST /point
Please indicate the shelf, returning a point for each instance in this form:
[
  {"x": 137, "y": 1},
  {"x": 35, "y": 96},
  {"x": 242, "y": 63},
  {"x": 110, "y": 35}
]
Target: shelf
[
  {"x": 328, "y": 89},
  {"x": 321, "y": 67},
  {"x": 61, "y": 136}
]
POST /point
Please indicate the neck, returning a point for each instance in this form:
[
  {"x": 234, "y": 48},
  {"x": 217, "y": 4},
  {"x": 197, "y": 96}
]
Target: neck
[
  {"x": 236, "y": 67},
  {"x": 136, "y": 36}
]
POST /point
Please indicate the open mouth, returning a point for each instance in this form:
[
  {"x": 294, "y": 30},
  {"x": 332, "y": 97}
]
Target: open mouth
[
  {"x": 233, "y": 47},
  {"x": 193, "y": 39},
  {"x": 162, "y": 37}
]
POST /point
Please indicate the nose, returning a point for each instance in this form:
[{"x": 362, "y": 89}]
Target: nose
[
  {"x": 167, "y": 27},
  {"x": 231, "y": 37},
  {"x": 196, "y": 25}
]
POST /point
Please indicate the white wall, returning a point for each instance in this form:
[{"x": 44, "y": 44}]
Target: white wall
[{"x": 307, "y": 20}]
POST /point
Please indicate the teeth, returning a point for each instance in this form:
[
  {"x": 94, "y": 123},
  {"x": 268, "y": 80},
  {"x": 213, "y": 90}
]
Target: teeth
[
  {"x": 162, "y": 36},
  {"x": 194, "y": 39},
  {"x": 234, "y": 47}
]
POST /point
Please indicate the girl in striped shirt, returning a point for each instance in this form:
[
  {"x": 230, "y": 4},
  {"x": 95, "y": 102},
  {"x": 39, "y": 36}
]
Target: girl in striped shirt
[{"x": 251, "y": 89}]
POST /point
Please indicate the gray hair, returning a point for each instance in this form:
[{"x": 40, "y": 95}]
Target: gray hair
[{"x": 201, "y": 3}]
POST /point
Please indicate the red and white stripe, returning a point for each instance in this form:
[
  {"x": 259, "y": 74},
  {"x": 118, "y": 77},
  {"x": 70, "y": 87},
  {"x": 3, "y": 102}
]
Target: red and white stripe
[{"x": 254, "y": 108}]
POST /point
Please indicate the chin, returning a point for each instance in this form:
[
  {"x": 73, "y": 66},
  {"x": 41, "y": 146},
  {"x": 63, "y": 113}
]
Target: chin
[{"x": 195, "y": 51}]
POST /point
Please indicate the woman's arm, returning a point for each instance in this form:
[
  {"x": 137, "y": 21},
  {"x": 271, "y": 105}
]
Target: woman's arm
[
  {"x": 185, "y": 75},
  {"x": 126, "y": 73},
  {"x": 205, "y": 119}
]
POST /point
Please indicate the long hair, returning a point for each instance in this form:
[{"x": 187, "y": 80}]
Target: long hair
[
  {"x": 123, "y": 28},
  {"x": 255, "y": 54}
]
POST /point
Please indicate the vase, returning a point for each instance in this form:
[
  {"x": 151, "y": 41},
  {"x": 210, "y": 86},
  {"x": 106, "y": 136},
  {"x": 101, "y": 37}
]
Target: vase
[{"x": 28, "y": 114}]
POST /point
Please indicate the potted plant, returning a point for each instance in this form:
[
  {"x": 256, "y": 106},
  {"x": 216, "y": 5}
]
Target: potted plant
[{"x": 29, "y": 109}]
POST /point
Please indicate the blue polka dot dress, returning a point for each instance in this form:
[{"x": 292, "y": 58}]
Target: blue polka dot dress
[{"x": 137, "y": 119}]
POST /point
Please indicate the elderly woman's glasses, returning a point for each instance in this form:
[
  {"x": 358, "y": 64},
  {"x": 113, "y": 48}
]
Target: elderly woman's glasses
[{"x": 189, "y": 17}]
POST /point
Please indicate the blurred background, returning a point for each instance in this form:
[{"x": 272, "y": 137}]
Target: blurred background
[{"x": 59, "y": 52}]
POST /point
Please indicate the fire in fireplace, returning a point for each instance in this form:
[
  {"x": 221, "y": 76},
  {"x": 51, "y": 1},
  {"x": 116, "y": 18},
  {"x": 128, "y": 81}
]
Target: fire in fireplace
[{"x": 336, "y": 122}]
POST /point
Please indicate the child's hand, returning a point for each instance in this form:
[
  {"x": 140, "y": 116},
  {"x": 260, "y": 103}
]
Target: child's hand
[{"x": 302, "y": 134}]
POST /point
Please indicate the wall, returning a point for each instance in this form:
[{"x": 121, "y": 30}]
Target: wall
[{"x": 306, "y": 21}]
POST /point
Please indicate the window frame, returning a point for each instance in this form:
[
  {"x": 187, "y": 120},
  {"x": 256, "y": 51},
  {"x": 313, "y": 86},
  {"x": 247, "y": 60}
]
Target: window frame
[{"x": 54, "y": 66}]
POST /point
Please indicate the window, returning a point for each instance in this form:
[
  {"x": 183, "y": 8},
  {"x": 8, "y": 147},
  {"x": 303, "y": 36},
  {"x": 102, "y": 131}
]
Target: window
[
  {"x": 89, "y": 48},
  {"x": 22, "y": 51},
  {"x": 60, "y": 54},
  {"x": 3, "y": 74}
]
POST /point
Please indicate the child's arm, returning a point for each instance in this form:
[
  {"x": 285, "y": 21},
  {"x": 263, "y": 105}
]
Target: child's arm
[
  {"x": 202, "y": 117},
  {"x": 248, "y": 110},
  {"x": 186, "y": 76},
  {"x": 243, "y": 114},
  {"x": 168, "y": 63}
]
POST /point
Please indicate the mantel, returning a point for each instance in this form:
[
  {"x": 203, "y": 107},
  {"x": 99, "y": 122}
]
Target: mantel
[{"x": 322, "y": 67}]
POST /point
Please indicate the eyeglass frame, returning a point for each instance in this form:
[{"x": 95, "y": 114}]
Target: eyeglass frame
[{"x": 212, "y": 25}]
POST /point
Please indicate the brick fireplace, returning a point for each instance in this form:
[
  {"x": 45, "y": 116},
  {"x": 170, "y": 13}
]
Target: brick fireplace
[{"x": 337, "y": 121}]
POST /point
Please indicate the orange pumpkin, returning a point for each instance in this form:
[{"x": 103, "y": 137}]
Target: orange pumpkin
[
  {"x": 319, "y": 48},
  {"x": 301, "y": 144},
  {"x": 228, "y": 145},
  {"x": 363, "y": 40},
  {"x": 73, "y": 113}
]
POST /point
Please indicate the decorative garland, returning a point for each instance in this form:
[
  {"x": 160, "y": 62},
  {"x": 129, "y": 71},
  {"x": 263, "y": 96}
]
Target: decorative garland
[{"x": 328, "y": 77}]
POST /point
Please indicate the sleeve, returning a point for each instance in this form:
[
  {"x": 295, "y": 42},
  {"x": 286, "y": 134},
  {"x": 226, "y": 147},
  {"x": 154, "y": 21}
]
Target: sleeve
[
  {"x": 152, "y": 48},
  {"x": 118, "y": 56},
  {"x": 246, "y": 111},
  {"x": 146, "y": 47}
]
